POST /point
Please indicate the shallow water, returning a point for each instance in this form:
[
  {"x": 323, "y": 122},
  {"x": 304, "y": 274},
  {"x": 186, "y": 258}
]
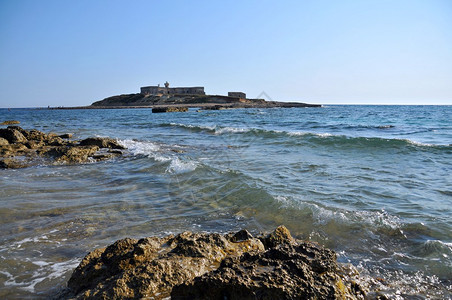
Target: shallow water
[{"x": 371, "y": 182}]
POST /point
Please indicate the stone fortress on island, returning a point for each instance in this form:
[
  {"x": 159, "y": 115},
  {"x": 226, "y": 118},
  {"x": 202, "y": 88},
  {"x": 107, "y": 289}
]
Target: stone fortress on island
[
  {"x": 160, "y": 91},
  {"x": 165, "y": 96},
  {"x": 195, "y": 90}
]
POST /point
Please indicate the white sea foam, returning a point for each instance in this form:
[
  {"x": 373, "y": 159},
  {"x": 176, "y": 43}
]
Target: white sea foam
[
  {"x": 231, "y": 130},
  {"x": 178, "y": 166},
  {"x": 417, "y": 143},
  {"x": 303, "y": 133},
  {"x": 157, "y": 152},
  {"x": 140, "y": 147},
  {"x": 193, "y": 126},
  {"x": 47, "y": 271}
]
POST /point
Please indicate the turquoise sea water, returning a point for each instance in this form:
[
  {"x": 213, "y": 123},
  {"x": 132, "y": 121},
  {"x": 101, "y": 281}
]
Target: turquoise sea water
[{"x": 372, "y": 183}]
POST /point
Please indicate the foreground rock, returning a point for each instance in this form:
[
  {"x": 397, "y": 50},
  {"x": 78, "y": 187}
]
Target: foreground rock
[
  {"x": 212, "y": 266},
  {"x": 21, "y": 148}
]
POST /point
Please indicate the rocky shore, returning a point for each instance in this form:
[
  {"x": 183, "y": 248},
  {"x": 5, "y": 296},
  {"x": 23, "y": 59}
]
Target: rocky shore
[
  {"x": 21, "y": 148},
  {"x": 214, "y": 266}
]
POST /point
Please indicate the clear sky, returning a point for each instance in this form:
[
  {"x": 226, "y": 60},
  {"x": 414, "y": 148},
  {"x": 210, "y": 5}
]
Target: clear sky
[{"x": 71, "y": 53}]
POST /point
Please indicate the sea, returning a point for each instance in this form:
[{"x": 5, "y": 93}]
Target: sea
[{"x": 373, "y": 183}]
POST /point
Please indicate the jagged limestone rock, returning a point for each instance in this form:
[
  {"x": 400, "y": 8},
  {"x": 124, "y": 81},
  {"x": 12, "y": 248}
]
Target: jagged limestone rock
[
  {"x": 21, "y": 148},
  {"x": 211, "y": 266}
]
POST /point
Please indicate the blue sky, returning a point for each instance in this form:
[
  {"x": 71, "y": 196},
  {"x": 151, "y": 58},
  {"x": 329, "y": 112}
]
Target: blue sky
[{"x": 71, "y": 53}]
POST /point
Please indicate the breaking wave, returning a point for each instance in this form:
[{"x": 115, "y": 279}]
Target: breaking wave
[{"x": 315, "y": 138}]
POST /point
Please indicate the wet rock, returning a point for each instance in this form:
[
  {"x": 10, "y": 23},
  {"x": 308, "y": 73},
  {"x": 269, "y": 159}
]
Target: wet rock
[
  {"x": 34, "y": 147},
  {"x": 10, "y": 122},
  {"x": 169, "y": 109},
  {"x": 281, "y": 235},
  {"x": 34, "y": 144},
  {"x": 284, "y": 272},
  {"x": 66, "y": 136},
  {"x": 150, "y": 267},
  {"x": 36, "y": 135},
  {"x": 211, "y": 266},
  {"x": 104, "y": 156},
  {"x": 12, "y": 135},
  {"x": 55, "y": 141},
  {"x": 67, "y": 154},
  {"x": 10, "y": 163},
  {"x": 240, "y": 236},
  {"x": 101, "y": 143}
]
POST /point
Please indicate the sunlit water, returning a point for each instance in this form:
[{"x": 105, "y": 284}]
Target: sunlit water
[{"x": 372, "y": 183}]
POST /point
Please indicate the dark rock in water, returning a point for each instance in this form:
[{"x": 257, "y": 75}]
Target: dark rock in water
[
  {"x": 36, "y": 135},
  {"x": 101, "y": 143},
  {"x": 215, "y": 107},
  {"x": 241, "y": 235},
  {"x": 10, "y": 122},
  {"x": 12, "y": 135},
  {"x": 33, "y": 147},
  {"x": 67, "y": 154},
  {"x": 211, "y": 266},
  {"x": 284, "y": 272},
  {"x": 169, "y": 109},
  {"x": 150, "y": 267},
  {"x": 66, "y": 135},
  {"x": 10, "y": 163}
]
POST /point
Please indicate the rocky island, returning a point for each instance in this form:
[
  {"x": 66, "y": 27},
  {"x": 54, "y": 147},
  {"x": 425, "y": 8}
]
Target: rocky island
[{"x": 177, "y": 99}]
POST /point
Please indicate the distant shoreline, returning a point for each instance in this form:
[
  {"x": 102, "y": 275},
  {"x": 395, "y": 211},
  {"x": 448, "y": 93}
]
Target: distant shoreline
[{"x": 272, "y": 104}]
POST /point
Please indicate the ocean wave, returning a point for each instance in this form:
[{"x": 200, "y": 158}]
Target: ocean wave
[
  {"x": 178, "y": 166},
  {"x": 434, "y": 248},
  {"x": 315, "y": 138},
  {"x": 160, "y": 153}
]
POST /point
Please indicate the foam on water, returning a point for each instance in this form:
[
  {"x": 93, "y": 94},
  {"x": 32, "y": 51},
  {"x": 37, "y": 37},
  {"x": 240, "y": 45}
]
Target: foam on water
[
  {"x": 160, "y": 153},
  {"x": 178, "y": 166}
]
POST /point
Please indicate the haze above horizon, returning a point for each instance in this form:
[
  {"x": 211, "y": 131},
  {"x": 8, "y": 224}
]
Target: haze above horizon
[{"x": 72, "y": 53}]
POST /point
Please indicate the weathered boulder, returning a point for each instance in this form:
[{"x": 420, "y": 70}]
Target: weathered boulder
[
  {"x": 211, "y": 266},
  {"x": 36, "y": 135},
  {"x": 150, "y": 267},
  {"x": 281, "y": 235},
  {"x": 305, "y": 271},
  {"x": 101, "y": 143},
  {"x": 12, "y": 135},
  {"x": 67, "y": 154}
]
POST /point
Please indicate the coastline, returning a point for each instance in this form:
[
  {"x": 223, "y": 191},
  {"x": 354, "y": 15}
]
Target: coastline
[{"x": 200, "y": 106}]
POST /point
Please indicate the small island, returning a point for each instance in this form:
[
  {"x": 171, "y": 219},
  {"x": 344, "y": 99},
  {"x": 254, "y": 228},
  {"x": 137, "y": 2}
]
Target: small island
[{"x": 171, "y": 99}]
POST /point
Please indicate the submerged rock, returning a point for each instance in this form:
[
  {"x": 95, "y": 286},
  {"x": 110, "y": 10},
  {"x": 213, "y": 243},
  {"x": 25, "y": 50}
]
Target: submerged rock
[
  {"x": 101, "y": 143},
  {"x": 211, "y": 266},
  {"x": 10, "y": 122},
  {"x": 22, "y": 148},
  {"x": 169, "y": 109}
]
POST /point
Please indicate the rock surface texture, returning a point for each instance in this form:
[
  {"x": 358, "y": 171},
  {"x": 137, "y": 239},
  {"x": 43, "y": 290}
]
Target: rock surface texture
[
  {"x": 212, "y": 266},
  {"x": 21, "y": 148}
]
